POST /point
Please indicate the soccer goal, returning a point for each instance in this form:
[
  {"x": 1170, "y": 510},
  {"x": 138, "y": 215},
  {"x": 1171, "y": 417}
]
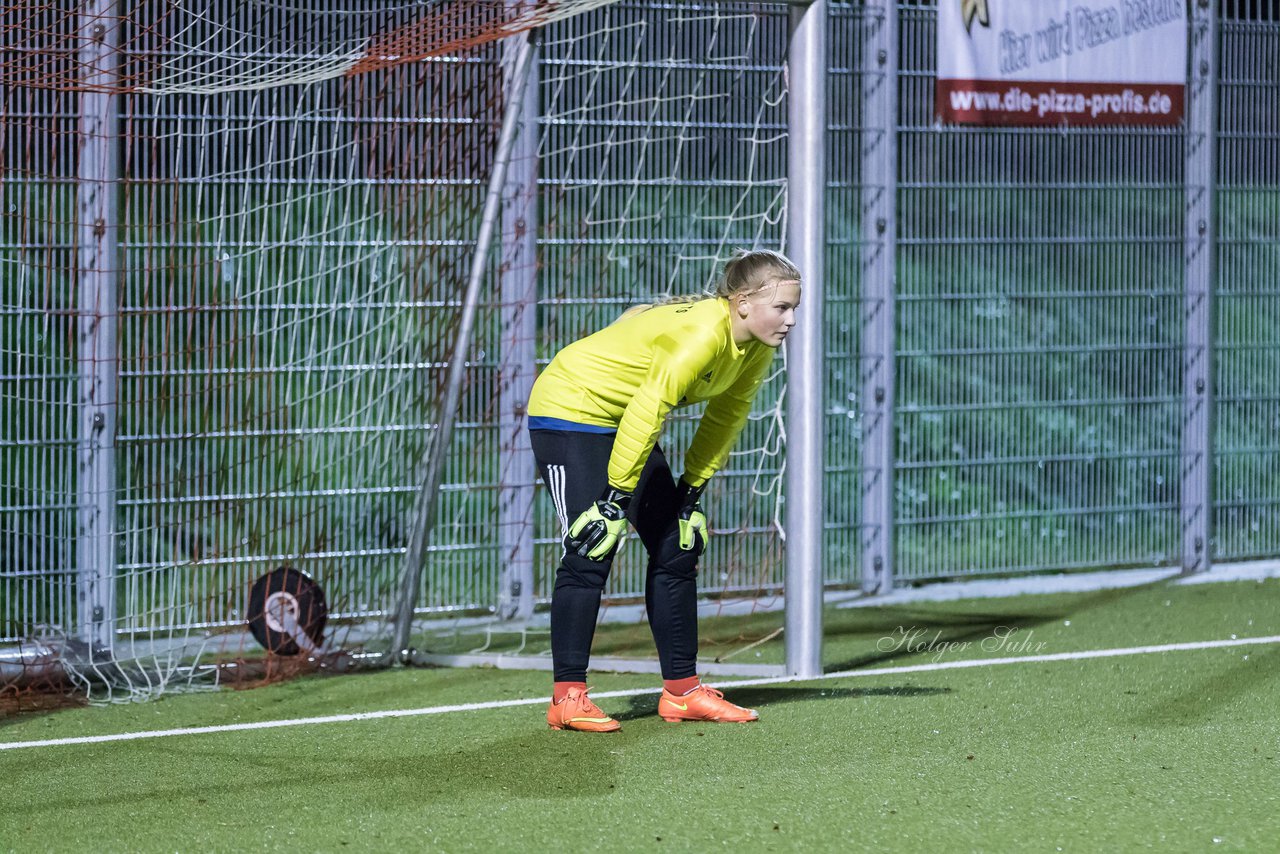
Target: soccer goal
[{"x": 277, "y": 281}]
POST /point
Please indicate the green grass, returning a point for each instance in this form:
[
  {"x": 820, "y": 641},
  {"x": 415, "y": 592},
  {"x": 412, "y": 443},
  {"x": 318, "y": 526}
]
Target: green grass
[{"x": 1167, "y": 751}]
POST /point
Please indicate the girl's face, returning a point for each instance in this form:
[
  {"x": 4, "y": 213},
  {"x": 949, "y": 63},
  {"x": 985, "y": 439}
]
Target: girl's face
[{"x": 768, "y": 314}]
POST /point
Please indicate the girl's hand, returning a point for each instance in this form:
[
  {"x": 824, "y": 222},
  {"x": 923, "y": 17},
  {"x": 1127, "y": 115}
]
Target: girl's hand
[
  {"x": 694, "y": 532},
  {"x": 599, "y": 529}
]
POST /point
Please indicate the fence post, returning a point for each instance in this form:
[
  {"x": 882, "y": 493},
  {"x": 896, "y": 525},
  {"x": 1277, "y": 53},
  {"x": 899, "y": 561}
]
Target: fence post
[
  {"x": 807, "y": 244},
  {"x": 1200, "y": 270},
  {"x": 518, "y": 348},
  {"x": 97, "y": 272},
  {"x": 879, "y": 165}
]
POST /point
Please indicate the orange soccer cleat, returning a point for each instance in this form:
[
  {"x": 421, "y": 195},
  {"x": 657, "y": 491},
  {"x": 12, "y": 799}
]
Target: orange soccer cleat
[
  {"x": 576, "y": 711},
  {"x": 703, "y": 703}
]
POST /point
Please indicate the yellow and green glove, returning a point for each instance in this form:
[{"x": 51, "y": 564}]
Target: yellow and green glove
[
  {"x": 694, "y": 532},
  {"x": 599, "y": 529}
]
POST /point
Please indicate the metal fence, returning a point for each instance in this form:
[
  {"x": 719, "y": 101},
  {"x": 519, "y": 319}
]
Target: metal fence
[
  {"x": 1039, "y": 342},
  {"x": 1246, "y": 333},
  {"x": 290, "y": 261}
]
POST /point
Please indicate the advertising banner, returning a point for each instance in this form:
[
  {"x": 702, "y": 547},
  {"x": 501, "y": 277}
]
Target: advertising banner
[{"x": 1055, "y": 62}]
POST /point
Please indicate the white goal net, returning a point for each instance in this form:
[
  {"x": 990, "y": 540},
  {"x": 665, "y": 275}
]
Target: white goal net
[{"x": 296, "y": 198}]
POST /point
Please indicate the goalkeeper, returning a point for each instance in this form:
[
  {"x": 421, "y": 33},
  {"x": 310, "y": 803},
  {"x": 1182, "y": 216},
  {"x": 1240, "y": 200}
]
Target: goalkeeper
[{"x": 595, "y": 415}]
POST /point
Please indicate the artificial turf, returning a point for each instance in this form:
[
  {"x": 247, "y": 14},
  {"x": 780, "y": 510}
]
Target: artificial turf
[{"x": 1166, "y": 751}]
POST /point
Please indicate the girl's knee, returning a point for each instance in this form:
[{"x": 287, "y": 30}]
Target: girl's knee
[
  {"x": 577, "y": 571},
  {"x": 676, "y": 562}
]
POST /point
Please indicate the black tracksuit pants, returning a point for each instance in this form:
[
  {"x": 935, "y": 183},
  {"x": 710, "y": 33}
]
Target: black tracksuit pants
[{"x": 574, "y": 466}]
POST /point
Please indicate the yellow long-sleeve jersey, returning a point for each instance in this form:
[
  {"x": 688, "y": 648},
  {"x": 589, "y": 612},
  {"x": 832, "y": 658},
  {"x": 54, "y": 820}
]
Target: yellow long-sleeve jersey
[{"x": 628, "y": 376}]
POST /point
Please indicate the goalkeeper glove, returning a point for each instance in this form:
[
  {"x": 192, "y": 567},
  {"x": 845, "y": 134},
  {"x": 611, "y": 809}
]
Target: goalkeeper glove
[
  {"x": 598, "y": 530},
  {"x": 694, "y": 532}
]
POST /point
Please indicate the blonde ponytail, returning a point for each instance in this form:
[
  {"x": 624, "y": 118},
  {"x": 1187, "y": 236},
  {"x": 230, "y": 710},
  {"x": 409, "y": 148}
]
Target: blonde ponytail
[
  {"x": 748, "y": 271},
  {"x": 752, "y": 270}
]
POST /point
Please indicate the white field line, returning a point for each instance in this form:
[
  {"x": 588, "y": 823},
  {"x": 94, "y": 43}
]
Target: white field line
[{"x": 532, "y": 701}]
